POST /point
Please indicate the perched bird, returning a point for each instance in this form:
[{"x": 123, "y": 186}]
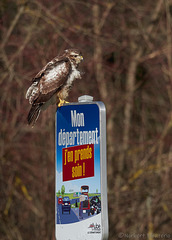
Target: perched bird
[{"x": 53, "y": 82}]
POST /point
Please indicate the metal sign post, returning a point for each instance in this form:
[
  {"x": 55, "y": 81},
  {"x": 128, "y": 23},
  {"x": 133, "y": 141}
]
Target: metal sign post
[{"x": 81, "y": 175}]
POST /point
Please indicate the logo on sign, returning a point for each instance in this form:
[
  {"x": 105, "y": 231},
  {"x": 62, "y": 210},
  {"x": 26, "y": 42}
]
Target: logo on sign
[
  {"x": 95, "y": 228},
  {"x": 78, "y": 162}
]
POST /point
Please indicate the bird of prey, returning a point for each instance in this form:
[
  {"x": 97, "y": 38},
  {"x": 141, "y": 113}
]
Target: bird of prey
[{"x": 52, "y": 82}]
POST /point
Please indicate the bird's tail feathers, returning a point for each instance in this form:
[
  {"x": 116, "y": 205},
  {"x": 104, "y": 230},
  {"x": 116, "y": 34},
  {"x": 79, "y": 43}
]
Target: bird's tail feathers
[{"x": 34, "y": 114}]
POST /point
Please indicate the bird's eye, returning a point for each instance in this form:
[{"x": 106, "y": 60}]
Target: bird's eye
[{"x": 75, "y": 55}]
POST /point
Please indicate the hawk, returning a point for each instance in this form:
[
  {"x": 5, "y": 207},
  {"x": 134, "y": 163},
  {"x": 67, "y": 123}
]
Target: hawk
[{"x": 52, "y": 82}]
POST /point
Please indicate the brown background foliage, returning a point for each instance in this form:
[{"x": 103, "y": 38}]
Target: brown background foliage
[{"x": 127, "y": 49}]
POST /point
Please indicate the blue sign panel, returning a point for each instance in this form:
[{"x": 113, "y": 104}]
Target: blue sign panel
[{"x": 80, "y": 204}]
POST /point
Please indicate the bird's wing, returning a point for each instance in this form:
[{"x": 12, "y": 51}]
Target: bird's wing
[
  {"x": 49, "y": 65},
  {"x": 51, "y": 79}
]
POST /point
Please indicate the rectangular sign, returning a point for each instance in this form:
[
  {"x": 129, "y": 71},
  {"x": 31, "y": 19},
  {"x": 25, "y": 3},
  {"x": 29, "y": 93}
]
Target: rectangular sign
[
  {"x": 78, "y": 162},
  {"x": 81, "y": 187}
]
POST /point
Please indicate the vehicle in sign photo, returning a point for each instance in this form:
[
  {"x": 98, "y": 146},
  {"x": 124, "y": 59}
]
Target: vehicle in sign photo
[{"x": 66, "y": 207}]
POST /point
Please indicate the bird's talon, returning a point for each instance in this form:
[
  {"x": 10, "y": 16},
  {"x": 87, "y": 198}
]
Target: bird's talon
[{"x": 61, "y": 103}]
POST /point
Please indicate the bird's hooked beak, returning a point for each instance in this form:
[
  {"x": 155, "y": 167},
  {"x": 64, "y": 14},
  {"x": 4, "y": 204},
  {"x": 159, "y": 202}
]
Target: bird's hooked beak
[{"x": 79, "y": 59}]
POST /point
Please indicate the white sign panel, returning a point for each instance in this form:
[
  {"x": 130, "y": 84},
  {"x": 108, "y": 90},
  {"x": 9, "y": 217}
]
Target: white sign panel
[{"x": 81, "y": 177}]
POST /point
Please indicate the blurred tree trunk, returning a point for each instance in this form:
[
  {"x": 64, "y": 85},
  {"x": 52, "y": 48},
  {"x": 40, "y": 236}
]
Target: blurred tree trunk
[
  {"x": 130, "y": 86},
  {"x": 102, "y": 82},
  {"x": 98, "y": 54},
  {"x": 136, "y": 53}
]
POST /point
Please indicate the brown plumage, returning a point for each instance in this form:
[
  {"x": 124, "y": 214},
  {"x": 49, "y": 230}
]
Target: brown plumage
[{"x": 53, "y": 81}]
